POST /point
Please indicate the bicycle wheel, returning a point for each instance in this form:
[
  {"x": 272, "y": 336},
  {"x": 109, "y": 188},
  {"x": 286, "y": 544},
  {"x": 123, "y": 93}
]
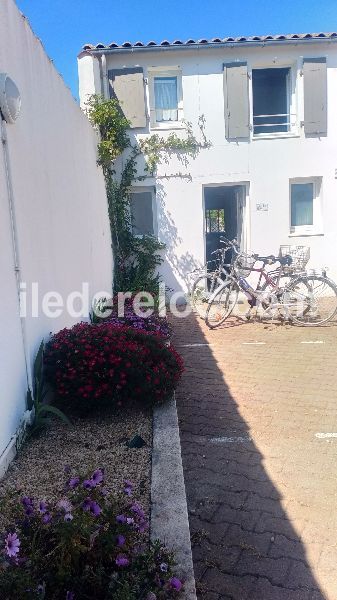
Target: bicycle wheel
[
  {"x": 202, "y": 289},
  {"x": 310, "y": 300},
  {"x": 222, "y": 304}
]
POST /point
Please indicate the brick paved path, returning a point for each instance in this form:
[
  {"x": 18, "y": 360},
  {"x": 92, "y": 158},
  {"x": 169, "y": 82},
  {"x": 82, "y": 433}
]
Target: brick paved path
[{"x": 261, "y": 485}]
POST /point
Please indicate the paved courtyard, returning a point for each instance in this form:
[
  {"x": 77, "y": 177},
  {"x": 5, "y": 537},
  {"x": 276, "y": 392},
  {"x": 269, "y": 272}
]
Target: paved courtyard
[{"x": 256, "y": 405}]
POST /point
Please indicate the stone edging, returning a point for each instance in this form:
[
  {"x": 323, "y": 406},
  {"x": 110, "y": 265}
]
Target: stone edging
[{"x": 169, "y": 517}]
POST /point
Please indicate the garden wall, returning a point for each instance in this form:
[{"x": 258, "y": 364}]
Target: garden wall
[{"x": 60, "y": 213}]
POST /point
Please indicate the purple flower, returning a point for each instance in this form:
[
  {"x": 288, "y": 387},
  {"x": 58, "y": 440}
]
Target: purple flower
[
  {"x": 12, "y": 545},
  {"x": 68, "y": 517},
  {"x": 120, "y": 540},
  {"x": 176, "y": 584},
  {"x": 130, "y": 521},
  {"x": 136, "y": 508},
  {"x": 65, "y": 505},
  {"x": 163, "y": 567},
  {"x": 42, "y": 507},
  {"x": 95, "y": 509},
  {"x": 29, "y": 511},
  {"x": 67, "y": 469},
  {"x": 128, "y": 487},
  {"x": 27, "y": 502},
  {"x": 46, "y": 518},
  {"x": 151, "y": 596},
  {"x": 122, "y": 561},
  {"x": 73, "y": 482},
  {"x": 70, "y": 596},
  {"x": 88, "y": 484},
  {"x": 86, "y": 504},
  {"x": 97, "y": 476},
  {"x": 121, "y": 519}
]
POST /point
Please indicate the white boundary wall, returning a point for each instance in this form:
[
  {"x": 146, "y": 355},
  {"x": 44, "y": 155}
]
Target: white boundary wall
[{"x": 63, "y": 234}]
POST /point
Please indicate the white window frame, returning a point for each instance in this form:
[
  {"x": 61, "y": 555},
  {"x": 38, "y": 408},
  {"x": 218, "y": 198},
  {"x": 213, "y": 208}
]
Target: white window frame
[
  {"x": 165, "y": 72},
  {"x": 317, "y": 227},
  {"x": 292, "y": 100},
  {"x": 140, "y": 190}
]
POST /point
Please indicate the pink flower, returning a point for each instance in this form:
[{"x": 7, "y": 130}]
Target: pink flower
[{"x": 12, "y": 545}]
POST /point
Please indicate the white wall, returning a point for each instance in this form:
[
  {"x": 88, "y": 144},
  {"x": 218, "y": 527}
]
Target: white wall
[
  {"x": 63, "y": 231},
  {"x": 266, "y": 165}
]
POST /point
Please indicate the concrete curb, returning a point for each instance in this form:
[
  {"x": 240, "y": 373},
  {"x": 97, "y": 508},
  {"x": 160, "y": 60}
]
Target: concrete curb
[{"x": 169, "y": 517}]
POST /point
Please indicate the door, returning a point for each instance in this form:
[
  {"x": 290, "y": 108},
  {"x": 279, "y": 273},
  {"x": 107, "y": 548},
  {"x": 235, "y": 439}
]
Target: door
[{"x": 224, "y": 215}]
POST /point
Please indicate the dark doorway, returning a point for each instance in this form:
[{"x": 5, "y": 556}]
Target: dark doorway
[{"x": 222, "y": 213}]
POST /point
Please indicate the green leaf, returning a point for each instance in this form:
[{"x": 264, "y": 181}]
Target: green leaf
[{"x": 55, "y": 411}]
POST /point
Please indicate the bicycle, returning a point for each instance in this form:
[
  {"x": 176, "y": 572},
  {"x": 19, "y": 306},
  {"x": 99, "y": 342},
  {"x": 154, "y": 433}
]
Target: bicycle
[
  {"x": 307, "y": 300},
  {"x": 211, "y": 276}
]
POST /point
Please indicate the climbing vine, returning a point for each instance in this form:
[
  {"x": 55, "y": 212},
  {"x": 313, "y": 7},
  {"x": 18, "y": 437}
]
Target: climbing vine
[{"x": 135, "y": 258}]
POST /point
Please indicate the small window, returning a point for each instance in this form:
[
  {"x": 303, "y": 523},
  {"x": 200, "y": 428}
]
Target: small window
[
  {"x": 215, "y": 220},
  {"x": 305, "y": 207},
  {"x": 166, "y": 98},
  {"x": 271, "y": 100},
  {"x": 302, "y": 204},
  {"x": 141, "y": 207}
]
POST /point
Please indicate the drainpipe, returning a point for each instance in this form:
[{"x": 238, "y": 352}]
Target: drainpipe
[
  {"x": 105, "y": 83},
  {"x": 15, "y": 248}
]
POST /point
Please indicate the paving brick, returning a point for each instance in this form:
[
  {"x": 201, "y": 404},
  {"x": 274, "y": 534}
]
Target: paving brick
[{"x": 267, "y": 504}]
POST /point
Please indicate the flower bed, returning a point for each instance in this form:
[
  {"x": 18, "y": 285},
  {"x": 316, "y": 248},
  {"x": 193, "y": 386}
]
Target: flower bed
[{"x": 86, "y": 544}]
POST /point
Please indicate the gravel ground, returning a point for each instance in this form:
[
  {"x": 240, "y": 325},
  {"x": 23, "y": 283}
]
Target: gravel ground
[{"x": 96, "y": 441}]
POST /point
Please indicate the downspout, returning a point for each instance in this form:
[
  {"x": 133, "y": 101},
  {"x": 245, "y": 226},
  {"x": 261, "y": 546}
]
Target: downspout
[
  {"x": 105, "y": 83},
  {"x": 15, "y": 247}
]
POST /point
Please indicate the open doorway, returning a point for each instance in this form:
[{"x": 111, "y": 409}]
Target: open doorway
[{"x": 224, "y": 215}]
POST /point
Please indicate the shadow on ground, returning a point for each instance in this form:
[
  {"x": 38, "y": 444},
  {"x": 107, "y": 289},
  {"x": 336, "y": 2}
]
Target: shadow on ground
[{"x": 244, "y": 545}]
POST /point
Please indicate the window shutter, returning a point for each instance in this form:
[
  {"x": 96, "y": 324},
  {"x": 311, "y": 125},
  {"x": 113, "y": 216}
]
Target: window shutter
[
  {"x": 315, "y": 96},
  {"x": 127, "y": 85},
  {"x": 236, "y": 100}
]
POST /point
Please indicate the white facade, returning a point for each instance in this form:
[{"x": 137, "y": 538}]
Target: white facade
[
  {"x": 57, "y": 189},
  {"x": 265, "y": 165}
]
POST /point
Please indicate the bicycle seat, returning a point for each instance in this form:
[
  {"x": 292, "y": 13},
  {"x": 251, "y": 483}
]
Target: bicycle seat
[{"x": 267, "y": 259}]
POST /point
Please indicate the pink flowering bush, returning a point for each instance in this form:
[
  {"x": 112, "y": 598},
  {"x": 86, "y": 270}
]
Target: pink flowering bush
[
  {"x": 92, "y": 364},
  {"x": 85, "y": 545}
]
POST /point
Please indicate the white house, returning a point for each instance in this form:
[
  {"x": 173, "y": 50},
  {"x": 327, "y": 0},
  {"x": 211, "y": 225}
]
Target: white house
[{"x": 270, "y": 109}]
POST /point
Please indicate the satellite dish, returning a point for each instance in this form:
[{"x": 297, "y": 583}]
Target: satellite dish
[{"x": 10, "y": 99}]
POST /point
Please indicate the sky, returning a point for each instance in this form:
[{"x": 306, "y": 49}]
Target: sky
[{"x": 64, "y": 26}]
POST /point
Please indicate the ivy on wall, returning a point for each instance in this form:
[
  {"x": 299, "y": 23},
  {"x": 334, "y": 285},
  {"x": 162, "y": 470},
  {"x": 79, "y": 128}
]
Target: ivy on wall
[{"x": 135, "y": 258}]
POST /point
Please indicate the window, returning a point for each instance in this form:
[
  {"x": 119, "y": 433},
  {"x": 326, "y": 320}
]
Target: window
[
  {"x": 215, "y": 220},
  {"x": 141, "y": 206},
  {"x": 166, "y": 98},
  {"x": 271, "y": 100},
  {"x": 305, "y": 207}
]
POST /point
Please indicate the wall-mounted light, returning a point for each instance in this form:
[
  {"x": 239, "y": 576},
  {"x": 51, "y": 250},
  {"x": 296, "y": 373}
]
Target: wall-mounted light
[{"x": 10, "y": 99}]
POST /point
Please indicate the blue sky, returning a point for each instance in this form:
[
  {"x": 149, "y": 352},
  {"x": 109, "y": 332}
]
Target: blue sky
[{"x": 65, "y": 25}]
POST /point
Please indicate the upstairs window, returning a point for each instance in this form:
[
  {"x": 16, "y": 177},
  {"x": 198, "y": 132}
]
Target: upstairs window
[
  {"x": 166, "y": 98},
  {"x": 271, "y": 100},
  {"x": 141, "y": 207}
]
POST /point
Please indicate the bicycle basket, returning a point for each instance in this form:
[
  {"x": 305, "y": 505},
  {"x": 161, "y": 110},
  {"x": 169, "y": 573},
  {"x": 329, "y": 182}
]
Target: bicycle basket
[
  {"x": 300, "y": 256},
  {"x": 244, "y": 263}
]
